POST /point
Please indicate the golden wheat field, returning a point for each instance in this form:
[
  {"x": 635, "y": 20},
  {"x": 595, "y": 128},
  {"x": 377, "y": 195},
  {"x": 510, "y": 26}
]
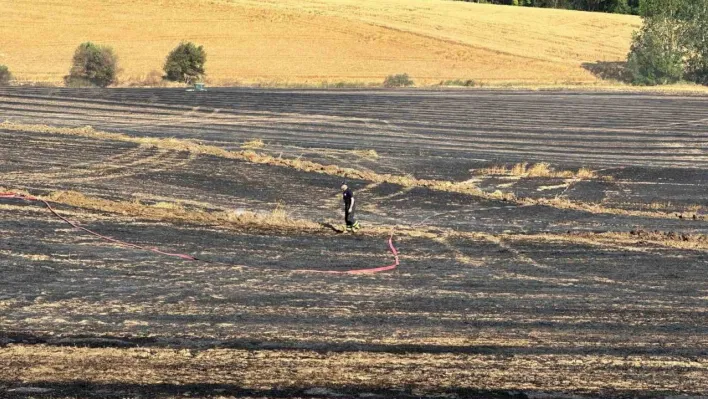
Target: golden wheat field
[{"x": 310, "y": 41}]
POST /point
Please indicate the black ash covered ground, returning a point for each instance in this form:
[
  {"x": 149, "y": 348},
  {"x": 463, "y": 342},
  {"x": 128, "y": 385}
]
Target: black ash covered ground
[{"x": 567, "y": 303}]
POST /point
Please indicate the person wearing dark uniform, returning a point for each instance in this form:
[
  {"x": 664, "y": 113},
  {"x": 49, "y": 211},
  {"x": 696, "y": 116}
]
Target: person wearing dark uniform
[{"x": 348, "y": 196}]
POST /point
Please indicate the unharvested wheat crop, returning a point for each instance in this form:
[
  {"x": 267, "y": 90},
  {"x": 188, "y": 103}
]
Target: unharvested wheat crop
[{"x": 311, "y": 42}]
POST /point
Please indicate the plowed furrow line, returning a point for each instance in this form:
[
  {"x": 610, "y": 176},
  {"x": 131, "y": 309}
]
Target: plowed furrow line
[{"x": 129, "y": 163}]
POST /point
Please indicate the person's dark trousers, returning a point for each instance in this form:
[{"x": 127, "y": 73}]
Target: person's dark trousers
[{"x": 349, "y": 219}]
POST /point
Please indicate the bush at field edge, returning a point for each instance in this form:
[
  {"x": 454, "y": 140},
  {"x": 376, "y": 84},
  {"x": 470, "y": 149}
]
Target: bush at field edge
[
  {"x": 5, "y": 75},
  {"x": 400, "y": 80},
  {"x": 92, "y": 65}
]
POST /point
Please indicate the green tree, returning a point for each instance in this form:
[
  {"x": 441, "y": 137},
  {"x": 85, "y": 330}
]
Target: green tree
[
  {"x": 621, "y": 7},
  {"x": 654, "y": 59},
  {"x": 672, "y": 44},
  {"x": 92, "y": 65},
  {"x": 615, "y": 6},
  {"x": 400, "y": 80},
  {"x": 658, "y": 50},
  {"x": 185, "y": 63},
  {"x": 5, "y": 76},
  {"x": 696, "y": 42}
]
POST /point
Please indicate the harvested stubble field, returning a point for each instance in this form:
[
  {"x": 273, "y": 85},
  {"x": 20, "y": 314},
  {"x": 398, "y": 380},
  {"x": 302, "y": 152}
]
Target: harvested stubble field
[
  {"x": 310, "y": 42},
  {"x": 556, "y": 283}
]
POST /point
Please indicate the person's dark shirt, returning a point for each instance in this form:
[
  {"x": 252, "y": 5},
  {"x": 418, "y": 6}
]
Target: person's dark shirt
[{"x": 348, "y": 196}]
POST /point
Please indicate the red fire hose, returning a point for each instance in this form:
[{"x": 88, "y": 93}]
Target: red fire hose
[{"x": 12, "y": 195}]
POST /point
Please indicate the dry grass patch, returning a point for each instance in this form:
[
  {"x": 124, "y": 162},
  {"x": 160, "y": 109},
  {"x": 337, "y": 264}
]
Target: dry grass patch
[
  {"x": 500, "y": 195},
  {"x": 585, "y": 173},
  {"x": 656, "y": 206},
  {"x": 369, "y": 154},
  {"x": 150, "y": 79},
  {"x": 635, "y": 239},
  {"x": 518, "y": 170},
  {"x": 541, "y": 169},
  {"x": 32, "y": 257},
  {"x": 254, "y": 144},
  {"x": 496, "y": 170},
  {"x": 554, "y": 187},
  {"x": 167, "y": 205},
  {"x": 564, "y": 203},
  {"x": 277, "y": 219},
  {"x": 667, "y": 206},
  {"x": 175, "y": 212}
]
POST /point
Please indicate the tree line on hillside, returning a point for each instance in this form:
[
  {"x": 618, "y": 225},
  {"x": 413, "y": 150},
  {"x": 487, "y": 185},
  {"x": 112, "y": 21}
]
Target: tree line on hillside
[{"x": 613, "y": 6}]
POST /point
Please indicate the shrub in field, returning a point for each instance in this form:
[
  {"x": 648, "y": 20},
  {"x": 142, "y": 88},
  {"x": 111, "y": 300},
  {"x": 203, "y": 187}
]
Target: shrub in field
[
  {"x": 5, "y": 76},
  {"x": 185, "y": 63},
  {"x": 402, "y": 80},
  {"x": 655, "y": 57},
  {"x": 92, "y": 65},
  {"x": 458, "y": 82}
]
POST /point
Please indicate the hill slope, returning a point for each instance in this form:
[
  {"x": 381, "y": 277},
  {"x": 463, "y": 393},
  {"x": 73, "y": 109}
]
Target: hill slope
[{"x": 313, "y": 41}]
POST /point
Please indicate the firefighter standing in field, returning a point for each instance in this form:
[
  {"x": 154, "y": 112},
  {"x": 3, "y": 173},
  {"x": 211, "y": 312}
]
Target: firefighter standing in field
[{"x": 348, "y": 196}]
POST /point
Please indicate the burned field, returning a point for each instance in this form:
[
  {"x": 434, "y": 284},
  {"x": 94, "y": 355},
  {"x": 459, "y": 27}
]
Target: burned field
[{"x": 514, "y": 280}]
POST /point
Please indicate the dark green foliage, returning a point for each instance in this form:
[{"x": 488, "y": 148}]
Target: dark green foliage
[
  {"x": 92, "y": 65},
  {"x": 458, "y": 82},
  {"x": 616, "y": 6},
  {"x": 696, "y": 38},
  {"x": 672, "y": 43},
  {"x": 5, "y": 76},
  {"x": 185, "y": 63},
  {"x": 401, "y": 80},
  {"x": 622, "y": 7},
  {"x": 651, "y": 61}
]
